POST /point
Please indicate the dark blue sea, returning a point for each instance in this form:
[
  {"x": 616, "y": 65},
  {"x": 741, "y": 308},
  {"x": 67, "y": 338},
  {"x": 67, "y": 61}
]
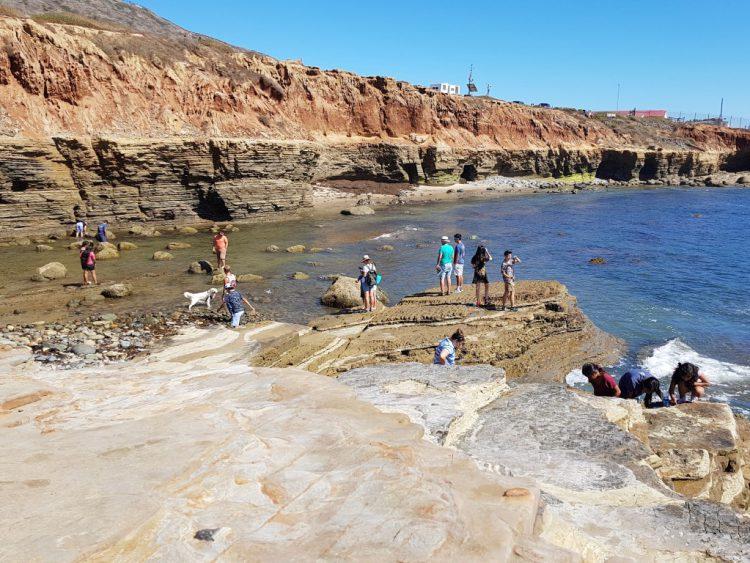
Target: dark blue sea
[{"x": 674, "y": 285}]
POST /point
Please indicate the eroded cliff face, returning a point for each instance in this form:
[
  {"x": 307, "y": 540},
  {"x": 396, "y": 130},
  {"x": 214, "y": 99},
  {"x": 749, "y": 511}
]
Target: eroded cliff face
[{"x": 137, "y": 126}]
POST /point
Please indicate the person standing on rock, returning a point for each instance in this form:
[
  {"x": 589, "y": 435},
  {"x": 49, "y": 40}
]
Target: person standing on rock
[
  {"x": 368, "y": 282},
  {"x": 636, "y": 382},
  {"x": 88, "y": 263},
  {"x": 509, "y": 278},
  {"x": 604, "y": 384},
  {"x": 80, "y": 226},
  {"x": 444, "y": 265},
  {"x": 221, "y": 244},
  {"x": 445, "y": 351},
  {"x": 459, "y": 255},
  {"x": 687, "y": 378},
  {"x": 101, "y": 231},
  {"x": 233, "y": 301},
  {"x": 479, "y": 263}
]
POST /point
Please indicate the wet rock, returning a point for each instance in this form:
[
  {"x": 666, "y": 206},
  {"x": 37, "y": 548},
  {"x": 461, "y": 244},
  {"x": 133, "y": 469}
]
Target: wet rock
[
  {"x": 107, "y": 251},
  {"x": 272, "y": 248},
  {"x": 76, "y": 245},
  {"x": 187, "y": 230},
  {"x": 178, "y": 245},
  {"x": 123, "y": 246},
  {"x": 92, "y": 298},
  {"x": 358, "y": 210},
  {"x": 316, "y": 249},
  {"x": 83, "y": 349},
  {"x": 386, "y": 248},
  {"x": 344, "y": 293},
  {"x": 598, "y": 260},
  {"x": 200, "y": 267},
  {"x": 23, "y": 241},
  {"x": 296, "y": 249},
  {"x": 117, "y": 291},
  {"x": 43, "y": 248},
  {"x": 51, "y": 271},
  {"x": 161, "y": 256},
  {"x": 299, "y": 276}
]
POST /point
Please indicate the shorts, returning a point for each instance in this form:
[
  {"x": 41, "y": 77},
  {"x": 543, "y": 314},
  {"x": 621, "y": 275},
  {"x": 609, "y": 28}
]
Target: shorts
[
  {"x": 445, "y": 271},
  {"x": 88, "y": 267},
  {"x": 221, "y": 254},
  {"x": 458, "y": 269},
  {"x": 236, "y": 318},
  {"x": 510, "y": 284}
]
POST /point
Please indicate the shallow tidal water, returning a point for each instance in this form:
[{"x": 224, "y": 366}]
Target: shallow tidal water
[{"x": 674, "y": 285}]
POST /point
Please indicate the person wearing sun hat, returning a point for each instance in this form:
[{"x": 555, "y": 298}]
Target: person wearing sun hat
[
  {"x": 368, "y": 280},
  {"x": 444, "y": 265}
]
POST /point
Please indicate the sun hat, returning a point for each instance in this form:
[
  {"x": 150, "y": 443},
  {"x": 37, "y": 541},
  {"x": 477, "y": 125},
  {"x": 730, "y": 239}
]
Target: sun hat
[
  {"x": 444, "y": 238},
  {"x": 365, "y": 258}
]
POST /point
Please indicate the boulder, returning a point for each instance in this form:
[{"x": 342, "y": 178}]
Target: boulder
[
  {"x": 43, "y": 248},
  {"x": 117, "y": 290},
  {"x": 51, "y": 271},
  {"x": 23, "y": 241},
  {"x": 187, "y": 230},
  {"x": 272, "y": 248},
  {"x": 249, "y": 278},
  {"x": 178, "y": 245},
  {"x": 296, "y": 249},
  {"x": 299, "y": 276},
  {"x": 108, "y": 252},
  {"x": 200, "y": 267},
  {"x": 358, "y": 210},
  {"x": 344, "y": 294},
  {"x": 122, "y": 246},
  {"x": 76, "y": 245},
  {"x": 83, "y": 349},
  {"x": 742, "y": 180},
  {"x": 161, "y": 256}
]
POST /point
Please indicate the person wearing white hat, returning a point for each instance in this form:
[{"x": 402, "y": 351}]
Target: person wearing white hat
[
  {"x": 368, "y": 280},
  {"x": 444, "y": 265}
]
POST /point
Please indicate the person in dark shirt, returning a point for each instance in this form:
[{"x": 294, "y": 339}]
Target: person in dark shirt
[
  {"x": 604, "y": 384},
  {"x": 101, "y": 232},
  {"x": 687, "y": 378},
  {"x": 636, "y": 382},
  {"x": 233, "y": 301}
]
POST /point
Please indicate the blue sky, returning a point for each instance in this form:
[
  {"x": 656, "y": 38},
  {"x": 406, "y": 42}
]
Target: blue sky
[{"x": 666, "y": 54}]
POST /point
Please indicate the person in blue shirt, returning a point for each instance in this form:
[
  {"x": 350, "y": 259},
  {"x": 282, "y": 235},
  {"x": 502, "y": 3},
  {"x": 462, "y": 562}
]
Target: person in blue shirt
[
  {"x": 233, "y": 301},
  {"x": 459, "y": 255},
  {"x": 444, "y": 265},
  {"x": 101, "y": 232},
  {"x": 636, "y": 382},
  {"x": 445, "y": 351}
]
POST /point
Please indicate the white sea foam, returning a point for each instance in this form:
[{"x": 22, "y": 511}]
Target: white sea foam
[
  {"x": 576, "y": 377},
  {"x": 663, "y": 360},
  {"x": 397, "y": 233}
]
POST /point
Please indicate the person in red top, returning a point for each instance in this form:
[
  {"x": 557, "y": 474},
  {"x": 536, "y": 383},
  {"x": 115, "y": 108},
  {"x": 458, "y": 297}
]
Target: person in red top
[
  {"x": 604, "y": 384},
  {"x": 221, "y": 243}
]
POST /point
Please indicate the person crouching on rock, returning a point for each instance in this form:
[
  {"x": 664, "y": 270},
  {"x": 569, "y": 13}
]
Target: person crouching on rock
[
  {"x": 636, "y": 382},
  {"x": 604, "y": 384},
  {"x": 233, "y": 301},
  {"x": 445, "y": 351},
  {"x": 88, "y": 263},
  {"x": 687, "y": 378}
]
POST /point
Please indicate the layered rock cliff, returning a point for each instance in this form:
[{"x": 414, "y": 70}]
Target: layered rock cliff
[{"x": 152, "y": 123}]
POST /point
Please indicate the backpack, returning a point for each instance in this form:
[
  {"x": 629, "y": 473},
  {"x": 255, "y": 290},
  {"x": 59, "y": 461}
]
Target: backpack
[{"x": 372, "y": 277}]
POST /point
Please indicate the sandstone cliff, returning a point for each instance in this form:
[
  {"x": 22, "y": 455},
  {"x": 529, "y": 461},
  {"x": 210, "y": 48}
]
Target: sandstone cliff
[{"x": 153, "y": 123}]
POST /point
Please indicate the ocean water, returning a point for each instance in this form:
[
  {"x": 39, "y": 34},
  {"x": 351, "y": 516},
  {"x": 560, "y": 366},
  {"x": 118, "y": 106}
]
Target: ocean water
[{"x": 674, "y": 285}]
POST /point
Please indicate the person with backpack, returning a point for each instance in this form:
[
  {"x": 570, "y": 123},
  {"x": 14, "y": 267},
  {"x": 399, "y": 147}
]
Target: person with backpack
[
  {"x": 88, "y": 263},
  {"x": 479, "y": 262},
  {"x": 368, "y": 280}
]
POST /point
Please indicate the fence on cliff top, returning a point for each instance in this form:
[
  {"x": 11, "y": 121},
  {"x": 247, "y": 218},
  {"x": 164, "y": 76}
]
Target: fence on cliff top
[{"x": 733, "y": 121}]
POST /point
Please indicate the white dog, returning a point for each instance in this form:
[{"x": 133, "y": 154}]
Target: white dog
[{"x": 202, "y": 297}]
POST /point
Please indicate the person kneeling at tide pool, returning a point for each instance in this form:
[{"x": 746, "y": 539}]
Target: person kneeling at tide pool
[
  {"x": 445, "y": 351},
  {"x": 636, "y": 382},
  {"x": 687, "y": 378},
  {"x": 233, "y": 301},
  {"x": 604, "y": 384}
]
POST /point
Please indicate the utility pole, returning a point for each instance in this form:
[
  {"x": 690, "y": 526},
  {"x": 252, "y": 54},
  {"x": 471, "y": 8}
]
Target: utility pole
[
  {"x": 721, "y": 111},
  {"x": 618, "y": 97},
  {"x": 488, "y": 89}
]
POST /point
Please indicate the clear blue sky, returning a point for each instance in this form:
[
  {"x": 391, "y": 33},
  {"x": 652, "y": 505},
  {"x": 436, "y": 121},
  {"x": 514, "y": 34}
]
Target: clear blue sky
[{"x": 666, "y": 54}]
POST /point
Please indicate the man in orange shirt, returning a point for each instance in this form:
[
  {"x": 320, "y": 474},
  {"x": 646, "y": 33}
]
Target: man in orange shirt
[{"x": 221, "y": 242}]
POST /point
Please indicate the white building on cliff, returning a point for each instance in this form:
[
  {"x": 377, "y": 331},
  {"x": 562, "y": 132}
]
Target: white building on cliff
[{"x": 446, "y": 88}]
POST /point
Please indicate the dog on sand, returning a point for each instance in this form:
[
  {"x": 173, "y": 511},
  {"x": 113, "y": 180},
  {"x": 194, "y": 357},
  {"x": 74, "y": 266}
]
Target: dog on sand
[{"x": 203, "y": 297}]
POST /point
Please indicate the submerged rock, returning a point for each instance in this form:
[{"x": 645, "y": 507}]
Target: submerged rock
[
  {"x": 299, "y": 276},
  {"x": 272, "y": 248},
  {"x": 358, "y": 210},
  {"x": 598, "y": 261},
  {"x": 161, "y": 256},
  {"x": 178, "y": 245},
  {"x": 44, "y": 248},
  {"x": 296, "y": 249},
  {"x": 123, "y": 246},
  {"x": 187, "y": 230},
  {"x": 117, "y": 290}
]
